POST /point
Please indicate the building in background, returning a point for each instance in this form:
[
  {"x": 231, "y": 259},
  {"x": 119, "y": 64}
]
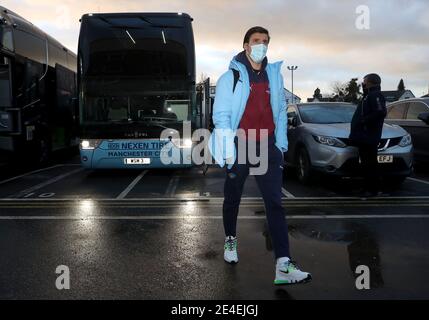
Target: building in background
[
  {"x": 291, "y": 98},
  {"x": 212, "y": 91},
  {"x": 396, "y": 95},
  {"x": 323, "y": 98}
]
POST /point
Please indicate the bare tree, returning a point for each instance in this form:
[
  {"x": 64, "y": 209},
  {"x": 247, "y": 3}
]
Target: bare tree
[
  {"x": 203, "y": 77},
  {"x": 338, "y": 88},
  {"x": 401, "y": 85}
]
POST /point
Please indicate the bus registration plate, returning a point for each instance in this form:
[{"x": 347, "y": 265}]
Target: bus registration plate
[{"x": 137, "y": 161}]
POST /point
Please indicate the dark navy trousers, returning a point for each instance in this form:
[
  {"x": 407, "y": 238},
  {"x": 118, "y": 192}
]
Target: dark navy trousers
[{"x": 270, "y": 185}]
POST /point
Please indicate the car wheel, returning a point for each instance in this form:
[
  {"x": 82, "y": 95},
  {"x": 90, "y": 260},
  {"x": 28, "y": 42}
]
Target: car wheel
[{"x": 303, "y": 168}]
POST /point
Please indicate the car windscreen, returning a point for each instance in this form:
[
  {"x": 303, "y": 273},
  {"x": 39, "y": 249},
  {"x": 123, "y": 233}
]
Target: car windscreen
[{"x": 326, "y": 114}]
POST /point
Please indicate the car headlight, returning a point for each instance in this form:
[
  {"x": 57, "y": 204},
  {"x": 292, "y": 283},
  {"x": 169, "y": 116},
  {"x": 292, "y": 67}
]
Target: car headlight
[
  {"x": 89, "y": 144},
  {"x": 330, "y": 141},
  {"x": 182, "y": 143},
  {"x": 406, "y": 141}
]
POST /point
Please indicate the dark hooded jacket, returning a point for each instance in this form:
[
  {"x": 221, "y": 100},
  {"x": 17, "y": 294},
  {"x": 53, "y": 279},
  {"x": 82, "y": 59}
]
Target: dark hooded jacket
[{"x": 368, "y": 120}]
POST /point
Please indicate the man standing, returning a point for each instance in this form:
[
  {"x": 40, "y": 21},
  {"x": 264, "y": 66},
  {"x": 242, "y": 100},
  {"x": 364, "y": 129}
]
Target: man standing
[
  {"x": 366, "y": 131},
  {"x": 250, "y": 97}
]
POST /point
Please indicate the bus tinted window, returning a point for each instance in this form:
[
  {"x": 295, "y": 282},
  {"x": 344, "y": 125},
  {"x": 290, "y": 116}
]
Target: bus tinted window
[
  {"x": 57, "y": 56},
  {"x": 5, "y": 97},
  {"x": 6, "y": 38},
  {"x": 133, "y": 46},
  {"x": 136, "y": 68},
  {"x": 30, "y": 46}
]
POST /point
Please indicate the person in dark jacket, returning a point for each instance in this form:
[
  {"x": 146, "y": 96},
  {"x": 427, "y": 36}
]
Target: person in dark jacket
[{"x": 366, "y": 131}]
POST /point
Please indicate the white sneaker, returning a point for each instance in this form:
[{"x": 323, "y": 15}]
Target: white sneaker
[
  {"x": 230, "y": 254},
  {"x": 287, "y": 272}
]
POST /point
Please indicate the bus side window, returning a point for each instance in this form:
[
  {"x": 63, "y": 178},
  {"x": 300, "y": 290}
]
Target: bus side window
[
  {"x": 33, "y": 72},
  {"x": 19, "y": 75},
  {"x": 5, "y": 88},
  {"x": 29, "y": 45},
  {"x": 7, "y": 39}
]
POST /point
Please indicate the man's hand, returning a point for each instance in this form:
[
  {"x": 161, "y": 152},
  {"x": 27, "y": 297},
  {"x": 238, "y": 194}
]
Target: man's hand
[{"x": 230, "y": 163}]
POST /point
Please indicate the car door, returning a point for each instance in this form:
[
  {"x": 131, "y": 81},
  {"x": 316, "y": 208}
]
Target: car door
[{"x": 418, "y": 129}]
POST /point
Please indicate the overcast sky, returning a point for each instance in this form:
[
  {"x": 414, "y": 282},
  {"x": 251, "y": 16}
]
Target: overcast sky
[{"x": 328, "y": 39}]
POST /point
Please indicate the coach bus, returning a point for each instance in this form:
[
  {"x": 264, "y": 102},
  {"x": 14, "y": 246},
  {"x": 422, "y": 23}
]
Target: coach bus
[
  {"x": 136, "y": 79},
  {"x": 38, "y": 92}
]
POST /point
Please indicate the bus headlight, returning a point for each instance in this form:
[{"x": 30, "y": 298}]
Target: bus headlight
[
  {"x": 182, "y": 143},
  {"x": 187, "y": 143},
  {"x": 90, "y": 144}
]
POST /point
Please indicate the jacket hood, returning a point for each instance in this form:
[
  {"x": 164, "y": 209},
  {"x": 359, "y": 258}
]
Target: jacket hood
[{"x": 237, "y": 65}]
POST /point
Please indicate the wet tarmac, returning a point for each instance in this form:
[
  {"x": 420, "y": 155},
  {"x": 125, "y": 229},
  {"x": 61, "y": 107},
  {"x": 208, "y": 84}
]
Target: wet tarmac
[{"x": 157, "y": 234}]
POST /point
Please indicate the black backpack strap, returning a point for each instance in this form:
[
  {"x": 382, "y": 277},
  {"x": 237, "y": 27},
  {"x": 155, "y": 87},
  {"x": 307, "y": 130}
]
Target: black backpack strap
[{"x": 236, "y": 77}]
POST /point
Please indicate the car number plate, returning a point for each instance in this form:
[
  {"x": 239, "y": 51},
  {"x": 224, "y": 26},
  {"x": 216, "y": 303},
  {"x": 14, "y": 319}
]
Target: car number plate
[
  {"x": 385, "y": 159},
  {"x": 137, "y": 161}
]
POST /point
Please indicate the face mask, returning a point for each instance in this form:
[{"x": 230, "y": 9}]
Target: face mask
[{"x": 259, "y": 51}]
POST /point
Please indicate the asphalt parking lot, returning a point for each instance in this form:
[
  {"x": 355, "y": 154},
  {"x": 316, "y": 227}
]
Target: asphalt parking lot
[{"x": 157, "y": 234}]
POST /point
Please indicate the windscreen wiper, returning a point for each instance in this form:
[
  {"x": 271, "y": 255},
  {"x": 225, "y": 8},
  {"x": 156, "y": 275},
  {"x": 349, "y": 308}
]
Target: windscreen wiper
[{"x": 158, "y": 119}]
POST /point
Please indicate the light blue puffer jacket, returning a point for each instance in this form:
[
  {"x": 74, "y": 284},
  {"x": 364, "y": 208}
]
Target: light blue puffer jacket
[{"x": 229, "y": 108}]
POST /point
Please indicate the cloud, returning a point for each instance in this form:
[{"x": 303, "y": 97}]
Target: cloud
[{"x": 319, "y": 36}]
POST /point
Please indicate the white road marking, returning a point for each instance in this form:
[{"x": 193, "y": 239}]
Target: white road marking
[
  {"x": 172, "y": 186},
  {"x": 201, "y": 217},
  {"x": 44, "y": 184},
  {"x": 418, "y": 180},
  {"x": 288, "y": 194},
  {"x": 131, "y": 186},
  {"x": 30, "y": 173},
  {"x": 200, "y": 198}
]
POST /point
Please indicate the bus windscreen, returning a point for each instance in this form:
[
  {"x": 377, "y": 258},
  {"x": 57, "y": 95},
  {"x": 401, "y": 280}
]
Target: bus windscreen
[
  {"x": 136, "y": 68},
  {"x": 125, "y": 48}
]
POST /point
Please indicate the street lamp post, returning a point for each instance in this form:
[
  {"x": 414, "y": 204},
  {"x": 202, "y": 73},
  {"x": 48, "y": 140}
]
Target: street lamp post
[{"x": 292, "y": 69}]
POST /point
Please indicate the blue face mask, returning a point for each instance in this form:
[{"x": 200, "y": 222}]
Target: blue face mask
[{"x": 259, "y": 52}]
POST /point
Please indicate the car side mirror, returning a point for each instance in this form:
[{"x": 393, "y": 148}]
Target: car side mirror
[
  {"x": 424, "y": 117},
  {"x": 293, "y": 121}
]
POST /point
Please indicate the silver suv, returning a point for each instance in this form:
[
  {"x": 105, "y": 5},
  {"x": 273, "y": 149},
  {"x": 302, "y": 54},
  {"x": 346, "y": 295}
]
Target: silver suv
[{"x": 319, "y": 141}]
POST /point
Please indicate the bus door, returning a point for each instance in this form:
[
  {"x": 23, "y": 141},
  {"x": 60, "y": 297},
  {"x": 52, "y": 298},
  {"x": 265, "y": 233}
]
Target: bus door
[
  {"x": 204, "y": 110},
  {"x": 204, "y": 106},
  {"x": 6, "y": 121},
  {"x": 207, "y": 104},
  {"x": 63, "y": 116}
]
